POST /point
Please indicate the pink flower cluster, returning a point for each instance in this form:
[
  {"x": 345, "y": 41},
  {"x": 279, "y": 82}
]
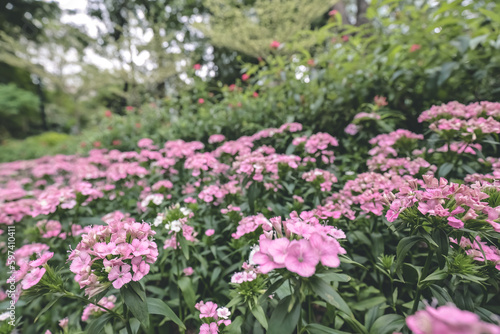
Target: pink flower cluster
[
  {"x": 50, "y": 229},
  {"x": 107, "y": 302},
  {"x": 325, "y": 178},
  {"x": 304, "y": 244},
  {"x": 384, "y": 143},
  {"x": 434, "y": 200},
  {"x": 175, "y": 228},
  {"x": 30, "y": 259},
  {"x": 480, "y": 251},
  {"x": 249, "y": 224},
  {"x": 248, "y": 274},
  {"x": 448, "y": 319},
  {"x": 474, "y": 119},
  {"x": 115, "y": 253},
  {"x": 214, "y": 315},
  {"x": 318, "y": 144}
]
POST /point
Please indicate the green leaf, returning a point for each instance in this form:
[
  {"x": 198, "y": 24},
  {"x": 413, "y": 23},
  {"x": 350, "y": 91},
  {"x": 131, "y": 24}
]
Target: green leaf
[
  {"x": 235, "y": 326},
  {"x": 445, "y": 169},
  {"x": 491, "y": 15},
  {"x": 96, "y": 326},
  {"x": 365, "y": 304},
  {"x": 46, "y": 308},
  {"x": 446, "y": 71},
  {"x": 328, "y": 294},
  {"x": 388, "y": 324},
  {"x": 438, "y": 275},
  {"x": 215, "y": 275},
  {"x": 259, "y": 314},
  {"x": 282, "y": 321},
  {"x": 186, "y": 287},
  {"x": 158, "y": 306},
  {"x": 134, "y": 325},
  {"x": 404, "y": 247},
  {"x": 184, "y": 246},
  {"x": 334, "y": 277},
  {"x": 320, "y": 329},
  {"x": 440, "y": 294},
  {"x": 135, "y": 299}
]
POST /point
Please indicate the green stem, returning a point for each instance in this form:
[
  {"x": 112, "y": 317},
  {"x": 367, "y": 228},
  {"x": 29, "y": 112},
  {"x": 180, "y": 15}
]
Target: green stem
[
  {"x": 427, "y": 264},
  {"x": 87, "y": 301}
]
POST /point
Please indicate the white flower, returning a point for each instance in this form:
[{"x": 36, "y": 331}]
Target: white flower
[
  {"x": 185, "y": 211},
  {"x": 158, "y": 220},
  {"x": 223, "y": 312},
  {"x": 255, "y": 249},
  {"x": 4, "y": 316},
  {"x": 176, "y": 226}
]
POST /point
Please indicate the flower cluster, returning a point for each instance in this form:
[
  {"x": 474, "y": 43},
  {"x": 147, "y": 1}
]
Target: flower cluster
[
  {"x": 480, "y": 251},
  {"x": 115, "y": 253},
  {"x": 107, "y": 302},
  {"x": 325, "y": 178},
  {"x": 30, "y": 259},
  {"x": 455, "y": 203},
  {"x": 304, "y": 244},
  {"x": 214, "y": 316}
]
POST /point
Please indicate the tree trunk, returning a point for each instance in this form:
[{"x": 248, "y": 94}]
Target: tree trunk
[{"x": 361, "y": 12}]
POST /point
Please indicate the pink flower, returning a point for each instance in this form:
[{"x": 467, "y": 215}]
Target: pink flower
[
  {"x": 275, "y": 44},
  {"x": 448, "y": 320},
  {"x": 201, "y": 100},
  {"x": 455, "y": 223},
  {"x": 32, "y": 278},
  {"x": 415, "y": 47},
  {"x": 301, "y": 258},
  {"x": 333, "y": 12},
  {"x": 351, "y": 129},
  {"x": 209, "y": 232},
  {"x": 80, "y": 263},
  {"x": 209, "y": 329},
  {"x": 380, "y": 101},
  {"x": 63, "y": 323},
  {"x": 188, "y": 271},
  {"x": 255, "y": 94},
  {"x": 207, "y": 310},
  {"x": 120, "y": 275},
  {"x": 197, "y": 66},
  {"x": 42, "y": 260},
  {"x": 245, "y": 77}
]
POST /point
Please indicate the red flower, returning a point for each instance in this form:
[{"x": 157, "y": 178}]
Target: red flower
[
  {"x": 245, "y": 77},
  {"x": 275, "y": 44},
  {"x": 232, "y": 87},
  {"x": 116, "y": 142},
  {"x": 108, "y": 113},
  {"x": 255, "y": 94},
  {"x": 138, "y": 125},
  {"x": 197, "y": 66},
  {"x": 333, "y": 12},
  {"x": 97, "y": 144},
  {"x": 129, "y": 108},
  {"x": 201, "y": 100},
  {"x": 345, "y": 38},
  {"x": 310, "y": 62},
  {"x": 415, "y": 47},
  {"x": 83, "y": 144}
]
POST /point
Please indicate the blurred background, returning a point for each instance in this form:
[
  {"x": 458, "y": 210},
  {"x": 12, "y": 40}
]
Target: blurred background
[{"x": 82, "y": 74}]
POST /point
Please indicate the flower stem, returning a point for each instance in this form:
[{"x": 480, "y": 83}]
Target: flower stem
[{"x": 427, "y": 264}]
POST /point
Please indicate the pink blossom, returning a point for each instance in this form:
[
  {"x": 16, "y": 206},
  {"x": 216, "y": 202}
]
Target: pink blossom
[
  {"x": 120, "y": 275},
  {"x": 301, "y": 258}
]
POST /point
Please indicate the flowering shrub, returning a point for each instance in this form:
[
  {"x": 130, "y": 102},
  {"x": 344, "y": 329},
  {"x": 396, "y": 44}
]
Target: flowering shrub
[{"x": 290, "y": 231}]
